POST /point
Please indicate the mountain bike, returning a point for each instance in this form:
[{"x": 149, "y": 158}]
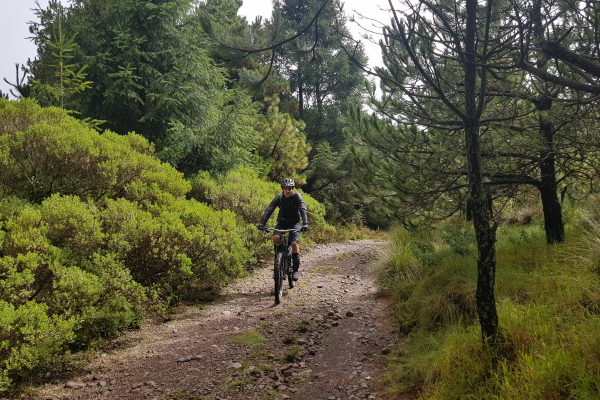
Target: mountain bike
[{"x": 283, "y": 266}]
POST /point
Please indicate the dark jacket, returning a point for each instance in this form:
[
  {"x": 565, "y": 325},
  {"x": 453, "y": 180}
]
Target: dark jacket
[{"x": 291, "y": 209}]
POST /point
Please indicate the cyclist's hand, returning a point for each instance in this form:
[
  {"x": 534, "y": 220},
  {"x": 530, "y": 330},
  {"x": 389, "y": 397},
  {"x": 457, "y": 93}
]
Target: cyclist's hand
[
  {"x": 304, "y": 228},
  {"x": 261, "y": 227}
]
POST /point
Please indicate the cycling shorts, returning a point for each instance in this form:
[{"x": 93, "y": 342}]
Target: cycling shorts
[{"x": 293, "y": 236}]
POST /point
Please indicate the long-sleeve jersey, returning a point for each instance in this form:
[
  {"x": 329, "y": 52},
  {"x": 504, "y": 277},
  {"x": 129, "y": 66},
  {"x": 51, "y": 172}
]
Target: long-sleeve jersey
[{"x": 291, "y": 209}]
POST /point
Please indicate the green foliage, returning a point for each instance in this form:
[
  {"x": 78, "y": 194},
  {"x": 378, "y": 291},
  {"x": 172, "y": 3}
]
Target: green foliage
[
  {"x": 52, "y": 260},
  {"x": 244, "y": 193},
  {"x": 66, "y": 82},
  {"x": 322, "y": 77},
  {"x": 587, "y": 249},
  {"x": 94, "y": 231},
  {"x": 152, "y": 76},
  {"x": 185, "y": 248},
  {"x": 283, "y": 146},
  {"x": 29, "y": 339},
  {"x": 548, "y": 308},
  {"x": 330, "y": 182},
  {"x": 69, "y": 158},
  {"x": 71, "y": 225},
  {"x": 240, "y": 191},
  {"x": 461, "y": 239},
  {"x": 415, "y": 175}
]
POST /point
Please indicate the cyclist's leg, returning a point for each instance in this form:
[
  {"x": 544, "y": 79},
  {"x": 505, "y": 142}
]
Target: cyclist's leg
[{"x": 276, "y": 237}]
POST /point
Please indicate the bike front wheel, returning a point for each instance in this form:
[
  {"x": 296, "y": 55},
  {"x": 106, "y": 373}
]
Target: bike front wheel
[
  {"x": 278, "y": 277},
  {"x": 290, "y": 276}
]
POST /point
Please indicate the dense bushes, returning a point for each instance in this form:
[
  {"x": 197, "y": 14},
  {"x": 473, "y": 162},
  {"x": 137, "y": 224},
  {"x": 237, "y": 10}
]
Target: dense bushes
[
  {"x": 548, "y": 305},
  {"x": 92, "y": 229}
]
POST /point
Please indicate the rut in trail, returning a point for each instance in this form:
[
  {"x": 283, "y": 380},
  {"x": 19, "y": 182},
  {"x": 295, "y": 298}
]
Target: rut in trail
[{"x": 326, "y": 340}]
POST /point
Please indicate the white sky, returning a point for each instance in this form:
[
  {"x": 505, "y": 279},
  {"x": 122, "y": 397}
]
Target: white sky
[{"x": 15, "y": 47}]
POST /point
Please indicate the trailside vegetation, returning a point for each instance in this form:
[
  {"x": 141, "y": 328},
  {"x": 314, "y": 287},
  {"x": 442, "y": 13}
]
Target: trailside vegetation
[
  {"x": 93, "y": 230},
  {"x": 548, "y": 302}
]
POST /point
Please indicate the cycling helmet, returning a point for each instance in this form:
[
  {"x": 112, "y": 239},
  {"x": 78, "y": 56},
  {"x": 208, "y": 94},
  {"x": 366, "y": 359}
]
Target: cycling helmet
[{"x": 288, "y": 182}]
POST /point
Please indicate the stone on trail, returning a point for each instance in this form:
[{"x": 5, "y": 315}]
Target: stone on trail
[{"x": 75, "y": 385}]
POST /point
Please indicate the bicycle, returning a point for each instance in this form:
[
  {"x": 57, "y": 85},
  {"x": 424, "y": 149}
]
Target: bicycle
[{"x": 282, "y": 266}]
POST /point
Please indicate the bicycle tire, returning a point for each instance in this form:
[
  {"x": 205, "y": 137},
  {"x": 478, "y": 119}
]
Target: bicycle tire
[{"x": 278, "y": 277}]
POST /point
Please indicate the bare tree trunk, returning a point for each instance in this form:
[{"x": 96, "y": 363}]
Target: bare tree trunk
[
  {"x": 301, "y": 101},
  {"x": 555, "y": 230},
  {"x": 485, "y": 233},
  {"x": 481, "y": 210}
]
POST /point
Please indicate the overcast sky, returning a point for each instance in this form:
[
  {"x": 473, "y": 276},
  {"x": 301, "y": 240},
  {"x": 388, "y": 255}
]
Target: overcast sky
[{"x": 15, "y": 47}]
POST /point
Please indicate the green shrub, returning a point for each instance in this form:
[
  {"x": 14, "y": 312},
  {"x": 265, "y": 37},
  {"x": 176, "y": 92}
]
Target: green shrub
[
  {"x": 187, "y": 245},
  {"x": 29, "y": 339},
  {"x": 24, "y": 231},
  {"x": 102, "y": 231},
  {"x": 22, "y": 277},
  {"x": 103, "y": 302},
  {"x": 461, "y": 239},
  {"x": 72, "y": 225},
  {"x": 239, "y": 191},
  {"x": 69, "y": 158}
]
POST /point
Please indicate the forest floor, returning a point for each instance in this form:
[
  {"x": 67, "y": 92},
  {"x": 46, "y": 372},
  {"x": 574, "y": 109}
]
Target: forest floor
[{"x": 326, "y": 340}]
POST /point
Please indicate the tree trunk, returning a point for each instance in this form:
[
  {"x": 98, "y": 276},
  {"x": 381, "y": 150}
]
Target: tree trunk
[
  {"x": 555, "y": 230},
  {"x": 481, "y": 210},
  {"x": 553, "y": 223},
  {"x": 486, "y": 240},
  {"x": 469, "y": 211},
  {"x": 301, "y": 101}
]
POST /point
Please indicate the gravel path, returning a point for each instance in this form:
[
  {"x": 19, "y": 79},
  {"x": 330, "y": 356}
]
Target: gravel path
[{"x": 326, "y": 340}]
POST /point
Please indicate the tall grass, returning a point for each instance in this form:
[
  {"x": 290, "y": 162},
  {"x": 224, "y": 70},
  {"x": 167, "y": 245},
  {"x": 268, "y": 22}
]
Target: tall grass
[{"x": 548, "y": 306}]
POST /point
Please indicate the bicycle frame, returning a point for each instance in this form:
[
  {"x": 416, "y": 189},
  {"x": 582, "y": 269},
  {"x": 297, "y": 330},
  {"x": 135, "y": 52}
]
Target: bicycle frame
[{"x": 283, "y": 262}]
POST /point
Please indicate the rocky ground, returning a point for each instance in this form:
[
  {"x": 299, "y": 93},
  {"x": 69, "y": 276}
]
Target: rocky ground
[{"x": 326, "y": 340}]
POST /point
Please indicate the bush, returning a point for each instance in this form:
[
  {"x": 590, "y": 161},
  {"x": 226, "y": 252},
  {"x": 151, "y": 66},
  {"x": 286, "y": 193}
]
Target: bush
[
  {"x": 72, "y": 225},
  {"x": 101, "y": 232},
  {"x": 461, "y": 239},
  {"x": 103, "y": 302},
  {"x": 70, "y": 158},
  {"x": 187, "y": 245},
  {"x": 29, "y": 339}
]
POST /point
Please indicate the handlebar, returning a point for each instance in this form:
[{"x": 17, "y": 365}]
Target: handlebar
[{"x": 280, "y": 230}]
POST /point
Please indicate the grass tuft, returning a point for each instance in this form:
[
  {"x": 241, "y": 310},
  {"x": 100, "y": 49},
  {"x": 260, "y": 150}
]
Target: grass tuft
[{"x": 249, "y": 338}]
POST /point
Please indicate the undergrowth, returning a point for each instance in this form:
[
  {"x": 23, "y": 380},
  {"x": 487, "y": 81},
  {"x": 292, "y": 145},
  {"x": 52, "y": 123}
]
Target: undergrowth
[{"x": 548, "y": 305}]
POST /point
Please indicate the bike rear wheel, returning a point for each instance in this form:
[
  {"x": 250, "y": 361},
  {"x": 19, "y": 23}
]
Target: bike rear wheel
[{"x": 278, "y": 277}]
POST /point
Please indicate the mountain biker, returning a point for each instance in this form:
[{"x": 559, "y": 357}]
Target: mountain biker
[{"x": 291, "y": 209}]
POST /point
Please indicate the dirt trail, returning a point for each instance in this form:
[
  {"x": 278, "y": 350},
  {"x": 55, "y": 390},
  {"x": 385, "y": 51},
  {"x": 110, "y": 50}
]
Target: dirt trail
[{"x": 325, "y": 341}]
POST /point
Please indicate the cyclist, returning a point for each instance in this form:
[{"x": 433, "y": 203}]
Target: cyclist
[{"x": 291, "y": 209}]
